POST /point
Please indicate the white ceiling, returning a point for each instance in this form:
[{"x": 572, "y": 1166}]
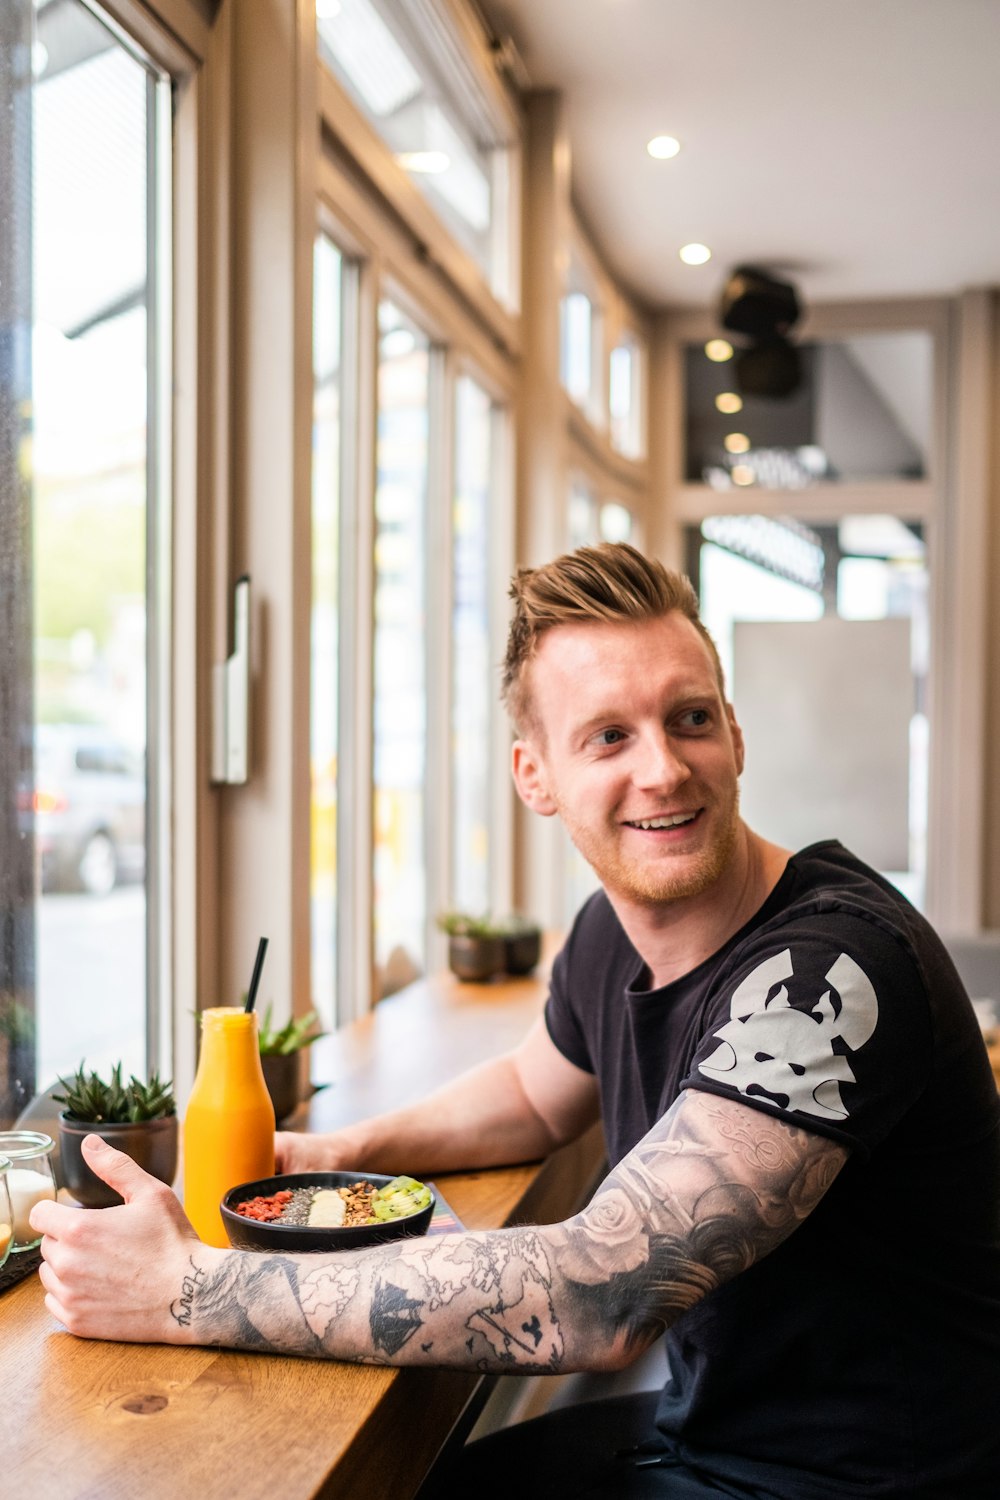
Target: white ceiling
[{"x": 854, "y": 145}]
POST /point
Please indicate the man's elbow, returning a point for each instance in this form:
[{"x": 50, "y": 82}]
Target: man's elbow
[{"x": 607, "y": 1353}]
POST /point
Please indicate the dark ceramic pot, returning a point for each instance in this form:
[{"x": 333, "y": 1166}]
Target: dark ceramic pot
[
  {"x": 475, "y": 958},
  {"x": 150, "y": 1143},
  {"x": 281, "y": 1075},
  {"x": 522, "y": 950}
]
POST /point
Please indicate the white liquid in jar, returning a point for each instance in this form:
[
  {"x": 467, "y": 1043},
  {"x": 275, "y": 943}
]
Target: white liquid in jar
[{"x": 26, "y": 1189}]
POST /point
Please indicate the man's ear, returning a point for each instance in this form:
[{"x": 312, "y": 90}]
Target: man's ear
[
  {"x": 530, "y": 779},
  {"x": 737, "y": 734}
]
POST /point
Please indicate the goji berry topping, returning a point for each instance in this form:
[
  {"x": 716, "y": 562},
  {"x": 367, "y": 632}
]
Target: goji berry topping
[{"x": 265, "y": 1209}]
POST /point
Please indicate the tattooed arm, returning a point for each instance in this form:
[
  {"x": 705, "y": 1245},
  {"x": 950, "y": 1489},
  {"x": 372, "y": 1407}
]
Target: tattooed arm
[{"x": 712, "y": 1188}]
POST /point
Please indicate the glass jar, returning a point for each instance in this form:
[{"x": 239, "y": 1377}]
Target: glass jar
[
  {"x": 29, "y": 1179},
  {"x": 6, "y": 1216}
]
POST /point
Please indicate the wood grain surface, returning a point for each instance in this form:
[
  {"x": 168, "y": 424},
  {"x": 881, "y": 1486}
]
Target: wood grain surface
[{"x": 100, "y": 1421}]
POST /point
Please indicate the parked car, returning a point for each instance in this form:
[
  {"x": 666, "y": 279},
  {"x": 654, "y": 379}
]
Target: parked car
[{"x": 89, "y": 805}]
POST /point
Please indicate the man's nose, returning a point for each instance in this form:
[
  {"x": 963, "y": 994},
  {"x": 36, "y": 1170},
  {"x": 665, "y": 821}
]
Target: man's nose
[{"x": 658, "y": 763}]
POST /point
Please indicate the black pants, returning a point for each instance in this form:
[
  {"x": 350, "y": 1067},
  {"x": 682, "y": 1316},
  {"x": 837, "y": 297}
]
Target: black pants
[{"x": 601, "y": 1450}]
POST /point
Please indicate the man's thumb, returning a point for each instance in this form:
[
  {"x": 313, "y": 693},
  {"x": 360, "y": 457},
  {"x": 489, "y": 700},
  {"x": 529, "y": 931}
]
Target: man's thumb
[{"x": 114, "y": 1167}]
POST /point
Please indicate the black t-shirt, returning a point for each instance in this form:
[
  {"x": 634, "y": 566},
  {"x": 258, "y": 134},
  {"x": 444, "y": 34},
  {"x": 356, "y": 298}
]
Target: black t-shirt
[{"x": 862, "y": 1357}]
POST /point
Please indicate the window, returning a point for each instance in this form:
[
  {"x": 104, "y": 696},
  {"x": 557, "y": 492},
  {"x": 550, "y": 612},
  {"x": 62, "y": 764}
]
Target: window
[
  {"x": 616, "y": 522},
  {"x": 328, "y": 269},
  {"x": 81, "y": 517},
  {"x": 400, "y": 709},
  {"x": 625, "y": 398},
  {"x": 473, "y": 689},
  {"x": 418, "y": 89},
  {"x": 577, "y": 346},
  {"x": 582, "y": 516}
]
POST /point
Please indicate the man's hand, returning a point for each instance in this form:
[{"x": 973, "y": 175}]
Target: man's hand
[
  {"x": 298, "y": 1152},
  {"x": 120, "y": 1273}
]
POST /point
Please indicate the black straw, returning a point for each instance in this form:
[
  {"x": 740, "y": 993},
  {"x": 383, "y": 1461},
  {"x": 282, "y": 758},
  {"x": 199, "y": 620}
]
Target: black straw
[{"x": 255, "y": 980}]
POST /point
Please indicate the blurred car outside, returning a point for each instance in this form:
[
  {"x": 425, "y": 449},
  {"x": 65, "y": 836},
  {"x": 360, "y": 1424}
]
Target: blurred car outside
[{"x": 89, "y": 807}]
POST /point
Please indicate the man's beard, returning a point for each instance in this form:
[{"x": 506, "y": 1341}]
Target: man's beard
[{"x": 671, "y": 878}]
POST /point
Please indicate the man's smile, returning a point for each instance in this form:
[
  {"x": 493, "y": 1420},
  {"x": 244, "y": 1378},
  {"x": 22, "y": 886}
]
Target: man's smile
[{"x": 664, "y": 820}]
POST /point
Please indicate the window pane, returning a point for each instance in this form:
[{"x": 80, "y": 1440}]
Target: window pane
[
  {"x": 472, "y": 678},
  {"x": 625, "y": 399},
  {"x": 400, "y": 639},
  {"x": 440, "y": 132},
  {"x": 616, "y": 522},
  {"x": 583, "y": 522},
  {"x": 577, "y": 345},
  {"x": 90, "y": 454},
  {"x": 325, "y": 704}
]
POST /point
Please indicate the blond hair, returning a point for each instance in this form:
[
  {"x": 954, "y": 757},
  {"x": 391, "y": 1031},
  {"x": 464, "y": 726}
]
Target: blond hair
[{"x": 612, "y": 582}]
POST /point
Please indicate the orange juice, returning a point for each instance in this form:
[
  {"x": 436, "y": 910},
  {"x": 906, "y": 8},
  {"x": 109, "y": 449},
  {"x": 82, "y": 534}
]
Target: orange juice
[{"x": 229, "y": 1125}]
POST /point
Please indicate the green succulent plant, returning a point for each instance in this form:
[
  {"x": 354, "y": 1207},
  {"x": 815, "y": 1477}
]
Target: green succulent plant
[
  {"x": 464, "y": 924},
  {"x": 89, "y": 1099},
  {"x": 292, "y": 1037}
]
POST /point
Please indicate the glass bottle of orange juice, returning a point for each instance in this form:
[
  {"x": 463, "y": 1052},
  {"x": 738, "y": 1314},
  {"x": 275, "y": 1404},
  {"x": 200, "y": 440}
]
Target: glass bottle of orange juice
[{"x": 229, "y": 1125}]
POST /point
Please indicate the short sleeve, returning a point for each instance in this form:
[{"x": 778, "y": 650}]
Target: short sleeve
[
  {"x": 825, "y": 1020},
  {"x": 560, "y": 1019}
]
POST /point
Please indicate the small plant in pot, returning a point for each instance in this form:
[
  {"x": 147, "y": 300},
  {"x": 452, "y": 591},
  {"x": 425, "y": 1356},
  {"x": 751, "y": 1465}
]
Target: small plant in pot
[
  {"x": 522, "y": 942},
  {"x": 137, "y": 1118},
  {"x": 280, "y": 1048},
  {"x": 475, "y": 946}
]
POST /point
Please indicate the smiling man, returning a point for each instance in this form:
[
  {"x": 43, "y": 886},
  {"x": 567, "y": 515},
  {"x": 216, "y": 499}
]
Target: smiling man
[{"x": 802, "y": 1125}]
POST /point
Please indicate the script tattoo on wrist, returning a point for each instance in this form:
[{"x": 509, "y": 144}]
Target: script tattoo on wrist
[{"x": 180, "y": 1308}]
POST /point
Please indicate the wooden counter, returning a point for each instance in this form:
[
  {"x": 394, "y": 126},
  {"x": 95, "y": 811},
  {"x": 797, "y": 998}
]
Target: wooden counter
[{"x": 91, "y": 1421}]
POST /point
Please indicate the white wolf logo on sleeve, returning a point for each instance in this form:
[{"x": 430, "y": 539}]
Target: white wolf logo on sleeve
[{"x": 770, "y": 1049}]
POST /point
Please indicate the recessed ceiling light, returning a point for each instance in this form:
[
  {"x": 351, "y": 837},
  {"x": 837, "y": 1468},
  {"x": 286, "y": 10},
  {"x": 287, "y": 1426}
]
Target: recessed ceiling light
[
  {"x": 736, "y": 442},
  {"x": 430, "y": 163},
  {"x": 719, "y": 350},
  {"x": 663, "y": 147},
  {"x": 742, "y": 474},
  {"x": 729, "y": 403},
  {"x": 694, "y": 254}
]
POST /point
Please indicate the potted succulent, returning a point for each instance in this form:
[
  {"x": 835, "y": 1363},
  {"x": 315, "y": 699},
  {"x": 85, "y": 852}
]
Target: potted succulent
[
  {"x": 279, "y": 1057},
  {"x": 522, "y": 942},
  {"x": 475, "y": 946},
  {"x": 137, "y": 1118}
]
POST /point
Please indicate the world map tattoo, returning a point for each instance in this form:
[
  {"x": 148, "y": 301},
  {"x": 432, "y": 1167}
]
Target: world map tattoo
[{"x": 712, "y": 1188}]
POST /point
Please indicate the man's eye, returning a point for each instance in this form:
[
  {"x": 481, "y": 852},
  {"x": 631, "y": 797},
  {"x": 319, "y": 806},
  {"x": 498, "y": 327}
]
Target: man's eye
[
  {"x": 697, "y": 718},
  {"x": 609, "y": 737}
]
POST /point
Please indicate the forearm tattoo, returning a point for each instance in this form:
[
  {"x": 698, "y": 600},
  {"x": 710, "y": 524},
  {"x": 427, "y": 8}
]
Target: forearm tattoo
[{"x": 712, "y": 1188}]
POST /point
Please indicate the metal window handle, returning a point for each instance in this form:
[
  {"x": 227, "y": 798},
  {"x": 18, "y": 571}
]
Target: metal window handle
[{"x": 231, "y": 698}]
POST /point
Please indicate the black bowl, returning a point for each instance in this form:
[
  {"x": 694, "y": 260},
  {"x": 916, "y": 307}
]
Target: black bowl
[{"x": 251, "y": 1234}]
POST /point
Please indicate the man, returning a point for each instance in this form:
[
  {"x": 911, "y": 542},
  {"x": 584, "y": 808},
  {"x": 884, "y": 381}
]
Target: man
[{"x": 804, "y": 1130}]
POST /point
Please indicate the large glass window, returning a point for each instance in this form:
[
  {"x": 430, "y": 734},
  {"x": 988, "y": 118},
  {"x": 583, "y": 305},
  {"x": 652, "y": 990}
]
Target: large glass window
[
  {"x": 400, "y": 726},
  {"x": 473, "y": 680},
  {"x": 80, "y": 249},
  {"x": 325, "y": 693},
  {"x": 427, "y": 105},
  {"x": 81, "y": 230}
]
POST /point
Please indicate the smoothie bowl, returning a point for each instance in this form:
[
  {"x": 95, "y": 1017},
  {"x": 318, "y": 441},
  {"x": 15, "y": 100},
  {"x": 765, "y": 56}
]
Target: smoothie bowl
[{"x": 316, "y": 1211}]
